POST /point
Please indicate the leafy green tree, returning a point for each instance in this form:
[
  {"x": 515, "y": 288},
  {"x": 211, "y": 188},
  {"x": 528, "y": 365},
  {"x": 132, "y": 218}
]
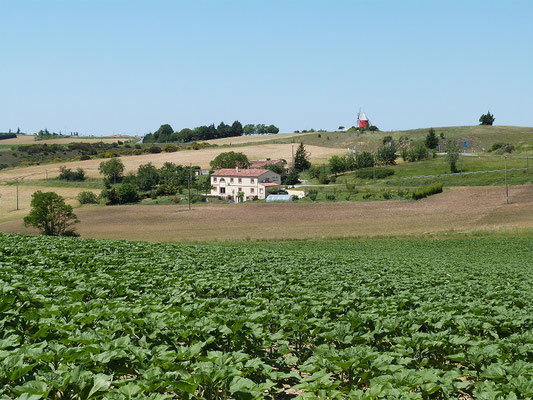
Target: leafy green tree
[
  {"x": 203, "y": 184},
  {"x": 272, "y": 129},
  {"x": 185, "y": 135},
  {"x": 301, "y": 159},
  {"x": 51, "y": 215},
  {"x": 236, "y": 129},
  {"x": 147, "y": 176},
  {"x": 163, "y": 134},
  {"x": 486, "y": 119},
  {"x": 386, "y": 155},
  {"x": 277, "y": 168},
  {"x": 452, "y": 154},
  {"x": 223, "y": 130},
  {"x": 249, "y": 129},
  {"x": 337, "y": 164},
  {"x": 113, "y": 170},
  {"x": 261, "y": 128},
  {"x": 230, "y": 159},
  {"x": 364, "y": 159},
  {"x": 432, "y": 141},
  {"x": 291, "y": 177},
  {"x": 341, "y": 128}
]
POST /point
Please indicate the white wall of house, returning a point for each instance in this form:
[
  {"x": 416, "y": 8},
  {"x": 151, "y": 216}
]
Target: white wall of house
[{"x": 230, "y": 186}]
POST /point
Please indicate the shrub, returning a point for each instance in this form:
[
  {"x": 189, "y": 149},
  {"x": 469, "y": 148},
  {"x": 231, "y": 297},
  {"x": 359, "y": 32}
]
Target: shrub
[
  {"x": 68, "y": 175},
  {"x": 197, "y": 198},
  {"x": 350, "y": 187},
  {"x": 154, "y": 149},
  {"x": 502, "y": 148},
  {"x": 171, "y": 148},
  {"x": 312, "y": 194},
  {"x": 127, "y": 193},
  {"x": 85, "y": 157},
  {"x": 368, "y": 173},
  {"x": 323, "y": 179},
  {"x": 417, "y": 153},
  {"x": 167, "y": 190},
  {"x": 403, "y": 193},
  {"x": 315, "y": 171},
  {"x": 425, "y": 191},
  {"x": 87, "y": 198},
  {"x": 331, "y": 196},
  {"x": 110, "y": 196},
  {"x": 386, "y": 194}
]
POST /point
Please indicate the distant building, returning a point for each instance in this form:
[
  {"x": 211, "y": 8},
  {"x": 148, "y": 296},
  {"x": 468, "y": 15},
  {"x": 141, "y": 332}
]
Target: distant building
[
  {"x": 254, "y": 183},
  {"x": 260, "y": 164},
  {"x": 363, "y": 120}
]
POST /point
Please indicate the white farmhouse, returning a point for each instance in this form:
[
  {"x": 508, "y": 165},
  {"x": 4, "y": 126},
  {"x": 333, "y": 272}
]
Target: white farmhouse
[{"x": 228, "y": 182}]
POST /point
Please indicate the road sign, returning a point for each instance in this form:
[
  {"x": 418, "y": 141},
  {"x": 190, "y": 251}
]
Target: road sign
[{"x": 465, "y": 144}]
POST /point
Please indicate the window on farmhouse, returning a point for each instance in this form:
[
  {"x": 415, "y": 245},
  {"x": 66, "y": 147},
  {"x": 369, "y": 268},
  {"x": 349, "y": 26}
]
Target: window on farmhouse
[
  {"x": 222, "y": 190},
  {"x": 240, "y": 189},
  {"x": 240, "y": 181},
  {"x": 261, "y": 191},
  {"x": 231, "y": 180},
  {"x": 214, "y": 179},
  {"x": 252, "y": 190},
  {"x": 252, "y": 180}
]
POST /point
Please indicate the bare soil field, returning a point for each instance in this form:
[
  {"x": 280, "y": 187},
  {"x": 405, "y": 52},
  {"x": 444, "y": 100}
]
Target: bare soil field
[
  {"x": 457, "y": 210},
  {"x": 195, "y": 157},
  {"x": 8, "y": 199},
  {"x": 30, "y": 139}
]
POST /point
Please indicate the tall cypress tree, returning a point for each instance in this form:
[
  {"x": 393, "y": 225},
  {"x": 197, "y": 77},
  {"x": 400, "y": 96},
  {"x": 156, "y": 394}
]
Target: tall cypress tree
[
  {"x": 301, "y": 159},
  {"x": 431, "y": 139}
]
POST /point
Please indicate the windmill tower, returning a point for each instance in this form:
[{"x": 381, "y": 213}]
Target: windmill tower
[{"x": 362, "y": 120}]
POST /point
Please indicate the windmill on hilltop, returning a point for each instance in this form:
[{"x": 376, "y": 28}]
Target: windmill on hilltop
[{"x": 362, "y": 120}]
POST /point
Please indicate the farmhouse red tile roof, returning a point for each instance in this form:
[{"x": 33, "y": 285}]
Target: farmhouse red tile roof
[
  {"x": 253, "y": 173},
  {"x": 267, "y": 184},
  {"x": 263, "y": 163}
]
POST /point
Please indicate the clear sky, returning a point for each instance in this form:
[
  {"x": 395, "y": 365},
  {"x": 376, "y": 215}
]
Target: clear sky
[{"x": 104, "y": 67}]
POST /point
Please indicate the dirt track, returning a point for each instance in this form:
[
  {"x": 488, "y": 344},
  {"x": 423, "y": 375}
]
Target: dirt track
[{"x": 459, "y": 210}]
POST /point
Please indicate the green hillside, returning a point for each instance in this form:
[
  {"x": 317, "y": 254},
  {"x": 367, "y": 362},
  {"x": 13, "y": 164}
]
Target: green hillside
[{"x": 478, "y": 137}]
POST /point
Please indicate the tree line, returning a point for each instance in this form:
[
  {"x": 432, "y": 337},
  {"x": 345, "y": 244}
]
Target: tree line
[{"x": 166, "y": 134}]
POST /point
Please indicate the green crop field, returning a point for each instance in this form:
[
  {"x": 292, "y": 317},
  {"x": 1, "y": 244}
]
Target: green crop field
[{"x": 411, "y": 319}]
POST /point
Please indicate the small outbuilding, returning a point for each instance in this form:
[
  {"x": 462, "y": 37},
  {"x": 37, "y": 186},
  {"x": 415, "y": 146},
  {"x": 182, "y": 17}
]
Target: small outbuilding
[{"x": 279, "y": 197}]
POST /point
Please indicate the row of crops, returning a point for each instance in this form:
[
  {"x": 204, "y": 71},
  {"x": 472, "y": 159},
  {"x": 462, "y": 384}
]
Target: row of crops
[{"x": 89, "y": 319}]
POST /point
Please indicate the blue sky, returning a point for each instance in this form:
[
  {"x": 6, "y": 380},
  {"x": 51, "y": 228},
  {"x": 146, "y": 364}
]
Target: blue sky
[{"x": 104, "y": 67}]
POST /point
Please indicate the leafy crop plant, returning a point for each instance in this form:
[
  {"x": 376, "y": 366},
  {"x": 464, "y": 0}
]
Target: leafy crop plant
[{"x": 413, "y": 319}]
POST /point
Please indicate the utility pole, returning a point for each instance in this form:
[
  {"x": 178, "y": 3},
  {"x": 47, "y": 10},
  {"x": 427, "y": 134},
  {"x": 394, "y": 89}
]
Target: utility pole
[
  {"x": 189, "y": 184},
  {"x": 506, "y": 185},
  {"x": 292, "y": 154},
  {"x": 374, "y": 169}
]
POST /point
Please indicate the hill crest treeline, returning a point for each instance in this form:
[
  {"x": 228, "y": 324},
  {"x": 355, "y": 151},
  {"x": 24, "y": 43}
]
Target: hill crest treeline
[{"x": 166, "y": 134}]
